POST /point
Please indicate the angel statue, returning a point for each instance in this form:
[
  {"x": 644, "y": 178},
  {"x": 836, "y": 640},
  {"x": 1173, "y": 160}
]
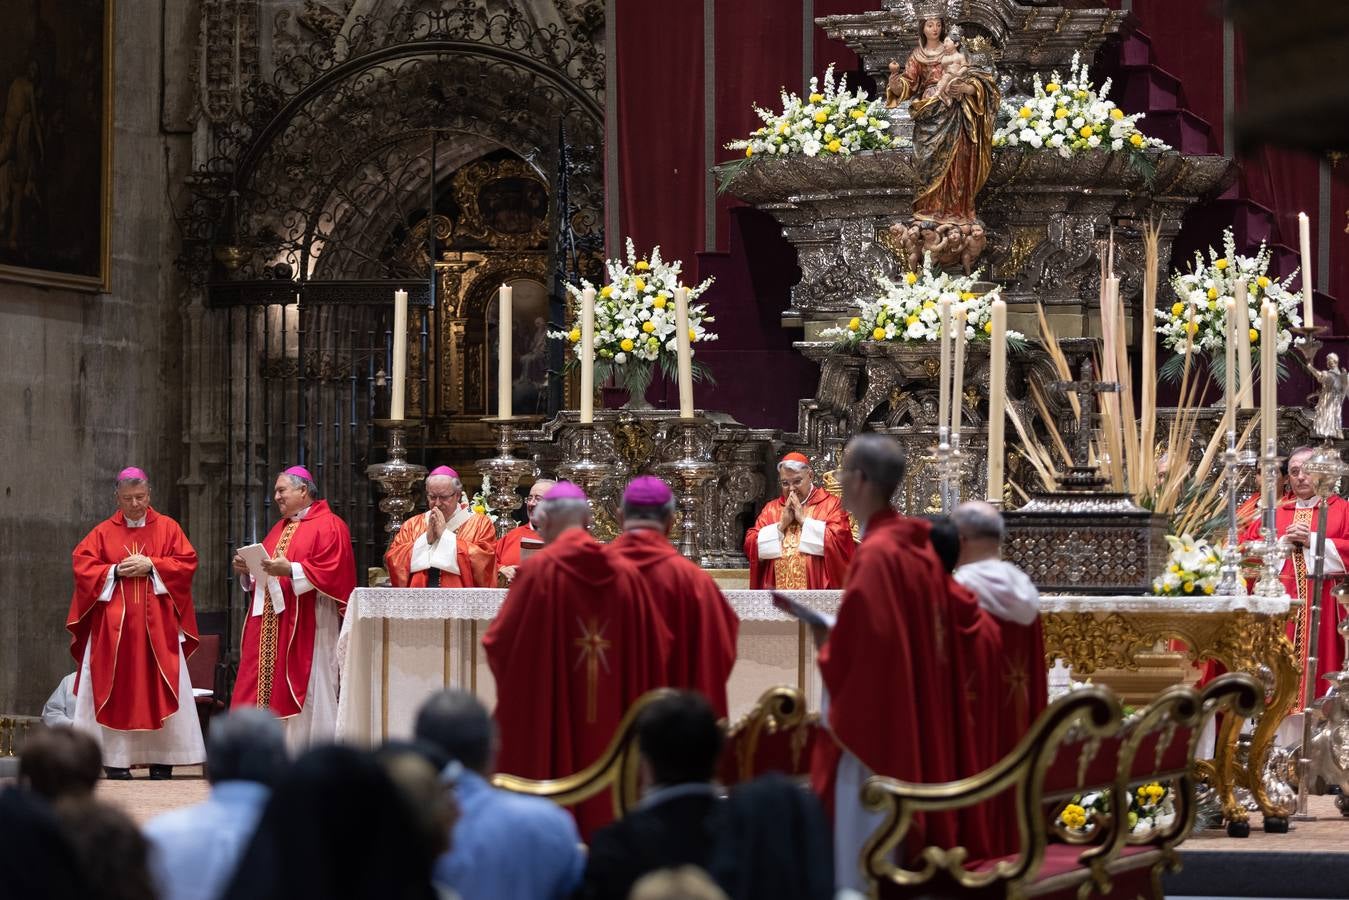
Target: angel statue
[{"x": 1327, "y": 421}]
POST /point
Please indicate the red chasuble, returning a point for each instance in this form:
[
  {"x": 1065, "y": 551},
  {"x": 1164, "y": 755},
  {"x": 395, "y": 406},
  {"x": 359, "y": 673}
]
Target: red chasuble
[
  {"x": 133, "y": 637},
  {"x": 277, "y": 649},
  {"x": 475, "y": 553},
  {"x": 796, "y": 570},
  {"x": 1298, "y": 570},
  {"x": 577, "y": 640},
  {"x": 889, "y": 670},
  {"x": 703, "y": 623},
  {"x": 508, "y": 548}
]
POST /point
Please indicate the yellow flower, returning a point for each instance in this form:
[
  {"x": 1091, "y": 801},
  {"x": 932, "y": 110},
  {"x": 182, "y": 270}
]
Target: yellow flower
[
  {"x": 574, "y": 335},
  {"x": 1081, "y": 95},
  {"x": 1255, "y": 335},
  {"x": 1262, "y": 282},
  {"x": 988, "y": 327},
  {"x": 639, "y": 284},
  {"x": 1086, "y": 131},
  {"x": 910, "y": 278},
  {"x": 928, "y": 304},
  {"x": 749, "y": 151},
  {"x": 642, "y": 265},
  {"x": 1192, "y": 328},
  {"x": 784, "y": 128},
  {"x": 1213, "y": 293},
  {"x": 693, "y": 335},
  {"x": 648, "y": 326},
  {"x": 816, "y": 98},
  {"x": 968, "y": 295},
  {"x": 854, "y": 323},
  {"x": 822, "y": 117},
  {"x": 1073, "y": 816},
  {"x": 627, "y": 345},
  {"x": 878, "y": 334},
  {"x": 1060, "y": 113},
  {"x": 834, "y": 146},
  {"x": 1174, "y": 568},
  {"x": 1025, "y": 112},
  {"x": 1208, "y": 589},
  {"x": 658, "y": 301},
  {"x": 607, "y": 290},
  {"x": 479, "y": 509},
  {"x": 1189, "y": 587},
  {"x": 1177, "y": 308},
  {"x": 1051, "y": 88},
  {"x": 858, "y": 114},
  {"x": 912, "y": 320},
  {"x": 1221, "y": 264},
  {"x": 1117, "y": 114},
  {"x": 1136, "y": 139},
  {"x": 1213, "y": 304}
]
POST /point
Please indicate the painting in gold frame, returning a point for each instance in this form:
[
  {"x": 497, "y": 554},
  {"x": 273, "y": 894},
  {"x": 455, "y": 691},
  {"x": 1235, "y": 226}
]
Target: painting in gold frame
[{"x": 56, "y": 69}]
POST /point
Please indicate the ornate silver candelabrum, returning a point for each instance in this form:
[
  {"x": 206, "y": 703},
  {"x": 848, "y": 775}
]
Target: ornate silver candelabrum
[
  {"x": 396, "y": 476},
  {"x": 502, "y": 473},
  {"x": 1268, "y": 548},
  {"x": 1230, "y": 582},
  {"x": 690, "y": 473},
  {"x": 586, "y": 471},
  {"x": 948, "y": 468}
]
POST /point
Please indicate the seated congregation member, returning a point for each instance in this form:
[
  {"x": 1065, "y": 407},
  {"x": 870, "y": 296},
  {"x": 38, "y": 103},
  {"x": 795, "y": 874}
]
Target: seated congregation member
[
  {"x": 132, "y": 628},
  {"x": 335, "y": 826},
  {"x": 508, "y": 548},
  {"x": 577, "y": 640},
  {"x": 773, "y": 843},
  {"x": 194, "y": 850},
  {"x": 37, "y": 858},
  {"x": 1008, "y": 595},
  {"x": 287, "y": 658},
  {"x": 703, "y": 624},
  {"x": 60, "y": 763},
  {"x": 60, "y": 706},
  {"x": 109, "y": 849},
  {"x": 431, "y": 806},
  {"x": 801, "y": 540},
  {"x": 496, "y": 830},
  {"x": 890, "y": 650},
  {"x": 446, "y": 546},
  {"x": 680, "y": 743}
]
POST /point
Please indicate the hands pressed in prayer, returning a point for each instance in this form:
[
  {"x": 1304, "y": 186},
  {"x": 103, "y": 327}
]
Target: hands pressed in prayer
[
  {"x": 277, "y": 566},
  {"x": 792, "y": 513},
  {"x": 435, "y": 525},
  {"x": 508, "y": 573},
  {"x": 136, "y": 565},
  {"x": 1298, "y": 533}
]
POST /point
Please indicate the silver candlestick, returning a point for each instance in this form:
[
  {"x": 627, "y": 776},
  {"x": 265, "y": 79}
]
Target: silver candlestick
[
  {"x": 396, "y": 476},
  {"x": 1230, "y": 582},
  {"x": 1270, "y": 551},
  {"x": 689, "y": 473},
  {"x": 585, "y": 471},
  {"x": 502, "y": 473},
  {"x": 948, "y": 469}
]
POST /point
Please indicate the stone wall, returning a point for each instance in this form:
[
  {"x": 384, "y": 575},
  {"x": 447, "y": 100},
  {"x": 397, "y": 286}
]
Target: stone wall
[{"x": 91, "y": 383}]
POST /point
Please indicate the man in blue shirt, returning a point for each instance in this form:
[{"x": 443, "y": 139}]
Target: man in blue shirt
[
  {"x": 505, "y": 846},
  {"x": 194, "y": 850}
]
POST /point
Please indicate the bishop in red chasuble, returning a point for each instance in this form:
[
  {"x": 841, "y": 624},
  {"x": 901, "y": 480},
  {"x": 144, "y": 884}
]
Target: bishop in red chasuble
[
  {"x": 577, "y": 640},
  {"x": 703, "y": 624},
  {"x": 446, "y": 546},
  {"x": 287, "y": 657},
  {"x": 801, "y": 540},
  {"x": 132, "y": 629},
  {"x": 508, "y": 548},
  {"x": 1296, "y": 522}
]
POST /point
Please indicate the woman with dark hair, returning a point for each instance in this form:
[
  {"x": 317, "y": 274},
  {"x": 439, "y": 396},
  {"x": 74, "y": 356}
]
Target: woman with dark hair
[
  {"x": 952, "y": 128},
  {"x": 336, "y": 828}
]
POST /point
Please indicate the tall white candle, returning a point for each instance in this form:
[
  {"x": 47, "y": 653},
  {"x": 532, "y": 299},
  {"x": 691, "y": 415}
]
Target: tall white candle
[
  {"x": 504, "y": 360},
  {"x": 944, "y": 392},
  {"x": 400, "y": 354},
  {"x": 1269, "y": 380},
  {"x": 1304, "y": 230},
  {"x": 684, "y": 348},
  {"x": 1245, "y": 389},
  {"x": 588, "y": 355},
  {"x": 997, "y": 398},
  {"x": 1230, "y": 394},
  {"x": 957, "y": 370}
]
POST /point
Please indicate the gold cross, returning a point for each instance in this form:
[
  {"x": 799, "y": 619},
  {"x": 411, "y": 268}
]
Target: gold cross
[{"x": 592, "y": 644}]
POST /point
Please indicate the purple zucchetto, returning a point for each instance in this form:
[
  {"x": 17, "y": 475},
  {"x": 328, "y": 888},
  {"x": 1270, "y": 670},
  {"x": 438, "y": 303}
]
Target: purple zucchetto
[
  {"x": 299, "y": 472},
  {"x": 443, "y": 470},
  {"x": 647, "y": 490},
  {"x": 132, "y": 473},
  {"x": 564, "y": 490}
]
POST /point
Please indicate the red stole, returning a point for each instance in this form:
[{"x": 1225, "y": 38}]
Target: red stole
[
  {"x": 133, "y": 658},
  {"x": 475, "y": 554},
  {"x": 577, "y": 640},
  {"x": 820, "y": 573},
  {"x": 277, "y": 649},
  {"x": 703, "y": 624}
]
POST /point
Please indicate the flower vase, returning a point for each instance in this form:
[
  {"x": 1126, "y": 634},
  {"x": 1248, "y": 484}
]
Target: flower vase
[{"x": 635, "y": 378}]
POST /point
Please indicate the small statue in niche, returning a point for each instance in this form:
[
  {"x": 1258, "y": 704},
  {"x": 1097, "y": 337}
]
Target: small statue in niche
[{"x": 1327, "y": 420}]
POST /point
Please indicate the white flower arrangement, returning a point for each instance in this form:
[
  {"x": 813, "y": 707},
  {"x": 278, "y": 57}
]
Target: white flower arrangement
[
  {"x": 1151, "y": 806},
  {"x": 1070, "y": 117},
  {"x": 635, "y": 319},
  {"x": 1192, "y": 568},
  {"x": 829, "y": 121},
  {"x": 909, "y": 310},
  {"x": 1200, "y": 311},
  {"x": 480, "y": 504}
]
